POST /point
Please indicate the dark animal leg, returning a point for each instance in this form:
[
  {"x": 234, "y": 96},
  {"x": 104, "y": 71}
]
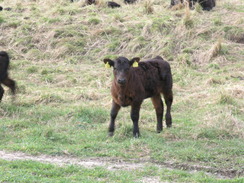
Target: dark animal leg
[
  {"x": 207, "y": 5},
  {"x": 113, "y": 114},
  {"x": 207, "y": 8},
  {"x": 135, "y": 110},
  {"x": 168, "y": 97},
  {"x": 11, "y": 84},
  {"x": 159, "y": 107},
  {"x": 1, "y": 92}
]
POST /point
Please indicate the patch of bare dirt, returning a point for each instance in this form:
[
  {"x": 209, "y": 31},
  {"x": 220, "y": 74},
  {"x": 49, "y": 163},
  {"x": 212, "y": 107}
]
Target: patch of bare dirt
[
  {"x": 111, "y": 164},
  {"x": 220, "y": 173},
  {"x": 119, "y": 164}
]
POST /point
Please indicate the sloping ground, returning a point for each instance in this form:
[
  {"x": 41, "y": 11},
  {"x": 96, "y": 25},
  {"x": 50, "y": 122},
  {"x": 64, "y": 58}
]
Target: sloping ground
[{"x": 63, "y": 101}]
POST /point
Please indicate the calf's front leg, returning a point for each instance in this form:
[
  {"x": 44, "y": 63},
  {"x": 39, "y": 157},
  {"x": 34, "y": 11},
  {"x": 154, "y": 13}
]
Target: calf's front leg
[
  {"x": 135, "y": 112},
  {"x": 113, "y": 114}
]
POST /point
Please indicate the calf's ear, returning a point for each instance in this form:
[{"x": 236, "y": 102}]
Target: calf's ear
[
  {"x": 134, "y": 61},
  {"x": 108, "y": 62}
]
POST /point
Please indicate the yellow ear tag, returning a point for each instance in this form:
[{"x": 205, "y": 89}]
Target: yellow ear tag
[
  {"x": 107, "y": 65},
  {"x": 135, "y": 64}
]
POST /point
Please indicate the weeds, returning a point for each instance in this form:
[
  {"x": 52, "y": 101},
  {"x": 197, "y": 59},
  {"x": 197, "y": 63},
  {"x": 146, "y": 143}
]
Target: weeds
[
  {"x": 148, "y": 5},
  {"x": 215, "y": 50},
  {"x": 188, "y": 22}
]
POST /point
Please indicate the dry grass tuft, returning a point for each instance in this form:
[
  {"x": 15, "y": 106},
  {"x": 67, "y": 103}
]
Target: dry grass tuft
[
  {"x": 198, "y": 8},
  {"x": 146, "y": 31},
  {"x": 215, "y": 50},
  {"x": 148, "y": 6},
  {"x": 101, "y": 3},
  {"x": 188, "y": 22},
  {"x": 223, "y": 121},
  {"x": 178, "y": 7}
]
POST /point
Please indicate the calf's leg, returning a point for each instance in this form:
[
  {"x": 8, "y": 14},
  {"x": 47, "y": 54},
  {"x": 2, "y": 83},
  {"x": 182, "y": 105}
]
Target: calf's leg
[
  {"x": 1, "y": 92},
  {"x": 135, "y": 112},
  {"x": 159, "y": 107},
  {"x": 168, "y": 97},
  {"x": 11, "y": 84},
  {"x": 113, "y": 114}
]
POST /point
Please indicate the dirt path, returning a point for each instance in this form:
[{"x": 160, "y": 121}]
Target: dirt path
[{"x": 116, "y": 164}]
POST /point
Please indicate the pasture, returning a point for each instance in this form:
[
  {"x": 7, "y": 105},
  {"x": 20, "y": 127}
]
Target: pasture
[{"x": 63, "y": 99}]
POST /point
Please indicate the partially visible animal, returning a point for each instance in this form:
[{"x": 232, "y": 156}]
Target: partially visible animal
[
  {"x": 132, "y": 84},
  {"x": 129, "y": 1},
  {"x": 90, "y": 2},
  {"x": 206, "y": 4},
  {"x": 112, "y": 4},
  {"x": 7, "y": 9},
  {"x": 4, "y": 78}
]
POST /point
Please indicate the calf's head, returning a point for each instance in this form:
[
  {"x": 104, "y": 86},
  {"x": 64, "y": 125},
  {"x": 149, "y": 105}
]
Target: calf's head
[{"x": 122, "y": 67}]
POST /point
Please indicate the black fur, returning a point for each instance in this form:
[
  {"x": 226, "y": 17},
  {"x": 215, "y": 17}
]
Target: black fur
[
  {"x": 4, "y": 78},
  {"x": 129, "y": 1},
  {"x": 206, "y": 4},
  {"x": 112, "y": 4}
]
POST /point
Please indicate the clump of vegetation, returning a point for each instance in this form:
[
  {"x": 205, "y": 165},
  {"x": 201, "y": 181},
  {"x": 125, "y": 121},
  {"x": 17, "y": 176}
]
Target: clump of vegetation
[
  {"x": 94, "y": 21},
  {"x": 188, "y": 21},
  {"x": 226, "y": 99},
  {"x": 148, "y": 6},
  {"x": 215, "y": 50},
  {"x": 1, "y": 20},
  {"x": 198, "y": 8}
]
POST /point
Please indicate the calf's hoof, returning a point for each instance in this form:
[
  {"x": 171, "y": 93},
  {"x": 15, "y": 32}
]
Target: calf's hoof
[
  {"x": 169, "y": 126},
  {"x": 110, "y": 134},
  {"x": 159, "y": 131},
  {"x": 136, "y": 135}
]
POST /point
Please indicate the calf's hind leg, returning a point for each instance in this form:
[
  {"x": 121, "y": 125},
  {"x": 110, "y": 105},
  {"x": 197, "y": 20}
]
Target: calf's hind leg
[
  {"x": 168, "y": 97},
  {"x": 1, "y": 92},
  {"x": 134, "y": 114},
  {"x": 159, "y": 108},
  {"x": 11, "y": 84}
]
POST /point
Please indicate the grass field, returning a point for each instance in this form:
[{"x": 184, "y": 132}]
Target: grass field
[{"x": 63, "y": 101}]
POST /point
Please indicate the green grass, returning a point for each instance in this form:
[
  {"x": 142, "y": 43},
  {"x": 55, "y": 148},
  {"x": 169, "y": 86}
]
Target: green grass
[
  {"x": 30, "y": 171},
  {"x": 63, "y": 100}
]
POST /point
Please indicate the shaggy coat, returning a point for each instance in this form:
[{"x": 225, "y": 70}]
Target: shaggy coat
[
  {"x": 131, "y": 85},
  {"x": 112, "y": 4}
]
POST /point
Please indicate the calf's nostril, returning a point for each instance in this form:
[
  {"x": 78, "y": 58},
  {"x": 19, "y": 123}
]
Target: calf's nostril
[{"x": 121, "y": 81}]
